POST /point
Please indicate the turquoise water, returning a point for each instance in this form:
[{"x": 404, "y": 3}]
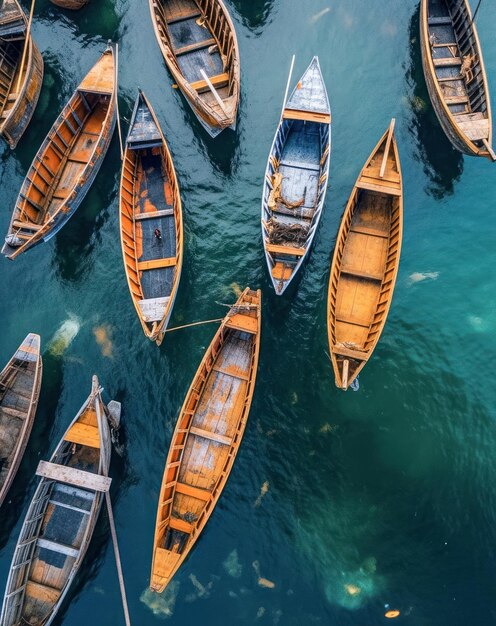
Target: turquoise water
[{"x": 346, "y": 503}]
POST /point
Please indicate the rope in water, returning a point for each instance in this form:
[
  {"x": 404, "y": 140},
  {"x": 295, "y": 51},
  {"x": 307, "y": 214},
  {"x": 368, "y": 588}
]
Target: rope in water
[{"x": 170, "y": 330}]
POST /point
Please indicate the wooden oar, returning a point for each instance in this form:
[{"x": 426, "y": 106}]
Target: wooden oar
[
  {"x": 288, "y": 85},
  {"x": 26, "y": 43}
]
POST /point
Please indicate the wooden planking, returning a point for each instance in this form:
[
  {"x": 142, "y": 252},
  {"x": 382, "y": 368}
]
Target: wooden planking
[
  {"x": 58, "y": 547},
  {"x": 157, "y": 263},
  {"x": 72, "y": 476},
  {"x": 193, "y": 492},
  {"x": 358, "y": 355},
  {"x": 101, "y": 78},
  {"x": 217, "y": 81},
  {"x": 243, "y": 322},
  {"x": 206, "y": 434},
  {"x": 285, "y": 250},
  {"x": 394, "y": 191},
  {"x": 181, "y": 525},
  {"x": 165, "y": 562},
  {"x": 307, "y": 116},
  {"x": 84, "y": 435},
  {"x": 447, "y": 61},
  {"x": 153, "y": 214},
  {"x": 153, "y": 309},
  {"x": 42, "y": 593}
]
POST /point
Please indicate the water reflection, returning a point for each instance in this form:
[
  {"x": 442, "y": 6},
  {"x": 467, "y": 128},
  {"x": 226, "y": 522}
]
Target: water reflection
[
  {"x": 443, "y": 165},
  {"x": 254, "y": 13}
]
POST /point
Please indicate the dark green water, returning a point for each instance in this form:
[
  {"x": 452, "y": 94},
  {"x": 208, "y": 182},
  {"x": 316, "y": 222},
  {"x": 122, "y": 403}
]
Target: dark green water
[{"x": 390, "y": 490}]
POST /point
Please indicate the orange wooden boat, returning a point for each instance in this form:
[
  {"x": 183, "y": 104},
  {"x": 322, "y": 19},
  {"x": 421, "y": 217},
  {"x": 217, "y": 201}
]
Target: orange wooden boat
[
  {"x": 68, "y": 161},
  {"x": 365, "y": 263},
  {"x": 207, "y": 437},
  {"x": 151, "y": 221}
]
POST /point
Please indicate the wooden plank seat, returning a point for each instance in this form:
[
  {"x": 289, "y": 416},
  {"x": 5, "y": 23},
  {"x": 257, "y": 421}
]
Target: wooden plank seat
[
  {"x": 183, "y": 16},
  {"x": 307, "y": 116},
  {"x": 165, "y": 561},
  {"x": 286, "y": 250},
  {"x": 447, "y": 61},
  {"x": 358, "y": 355},
  {"x": 153, "y": 214},
  {"x": 220, "y": 80},
  {"x": 7, "y": 410},
  {"x": 366, "y": 230},
  {"x": 72, "y": 476},
  {"x": 245, "y": 323},
  {"x": 153, "y": 309},
  {"x": 27, "y": 225},
  {"x": 198, "y": 45},
  {"x": 301, "y": 165},
  {"x": 181, "y": 525},
  {"x": 207, "y": 434},
  {"x": 439, "y": 21},
  {"x": 456, "y": 99},
  {"x": 236, "y": 374},
  {"x": 71, "y": 507},
  {"x": 394, "y": 191},
  {"x": 193, "y": 492},
  {"x": 361, "y": 273},
  {"x": 351, "y": 320},
  {"x": 42, "y": 593},
  {"x": 61, "y": 548},
  {"x": 84, "y": 434},
  {"x": 156, "y": 263}
]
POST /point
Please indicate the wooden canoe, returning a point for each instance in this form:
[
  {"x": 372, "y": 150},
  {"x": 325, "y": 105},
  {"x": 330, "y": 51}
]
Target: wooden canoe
[
  {"x": 455, "y": 75},
  {"x": 199, "y": 45},
  {"x": 60, "y": 519},
  {"x": 73, "y": 5},
  {"x": 20, "y": 382},
  {"x": 150, "y": 201},
  {"x": 295, "y": 181},
  {"x": 68, "y": 161},
  {"x": 207, "y": 437},
  {"x": 19, "y": 87},
  {"x": 365, "y": 263}
]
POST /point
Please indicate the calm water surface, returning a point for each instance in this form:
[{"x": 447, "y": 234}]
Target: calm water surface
[{"x": 345, "y": 502}]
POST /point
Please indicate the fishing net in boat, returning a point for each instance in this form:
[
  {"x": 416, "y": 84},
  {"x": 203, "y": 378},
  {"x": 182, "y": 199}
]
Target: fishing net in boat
[
  {"x": 276, "y": 198},
  {"x": 283, "y": 234}
]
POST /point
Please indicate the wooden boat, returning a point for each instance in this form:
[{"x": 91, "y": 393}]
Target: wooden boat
[
  {"x": 20, "y": 382},
  {"x": 150, "y": 202},
  {"x": 67, "y": 162},
  {"x": 199, "y": 45},
  {"x": 455, "y": 75},
  {"x": 60, "y": 519},
  {"x": 207, "y": 437},
  {"x": 73, "y": 5},
  {"x": 295, "y": 182},
  {"x": 19, "y": 87},
  {"x": 365, "y": 262}
]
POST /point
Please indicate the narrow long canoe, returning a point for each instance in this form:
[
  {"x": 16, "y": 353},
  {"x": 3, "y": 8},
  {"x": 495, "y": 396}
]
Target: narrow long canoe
[
  {"x": 74, "y": 5},
  {"x": 150, "y": 221},
  {"x": 68, "y": 161},
  {"x": 20, "y": 382},
  {"x": 199, "y": 45},
  {"x": 295, "y": 181},
  {"x": 207, "y": 437},
  {"x": 61, "y": 518},
  {"x": 365, "y": 263},
  {"x": 455, "y": 75},
  {"x": 19, "y": 87}
]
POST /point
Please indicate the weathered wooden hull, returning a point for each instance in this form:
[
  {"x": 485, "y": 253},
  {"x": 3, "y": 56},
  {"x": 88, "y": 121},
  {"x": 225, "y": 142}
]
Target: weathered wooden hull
[
  {"x": 20, "y": 383},
  {"x": 210, "y": 426},
  {"x": 213, "y": 117},
  {"x": 67, "y": 162},
  {"x": 299, "y": 160},
  {"x": 60, "y": 520},
  {"x": 365, "y": 262},
  {"x": 19, "y": 116},
  {"x": 74, "y": 5},
  {"x": 149, "y": 200},
  {"x": 455, "y": 113}
]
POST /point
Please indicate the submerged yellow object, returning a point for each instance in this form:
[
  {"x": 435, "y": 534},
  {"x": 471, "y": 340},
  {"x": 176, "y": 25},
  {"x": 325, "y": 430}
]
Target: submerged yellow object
[{"x": 392, "y": 614}]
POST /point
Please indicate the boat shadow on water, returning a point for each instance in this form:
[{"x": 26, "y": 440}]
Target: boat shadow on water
[
  {"x": 442, "y": 164},
  {"x": 254, "y": 14}
]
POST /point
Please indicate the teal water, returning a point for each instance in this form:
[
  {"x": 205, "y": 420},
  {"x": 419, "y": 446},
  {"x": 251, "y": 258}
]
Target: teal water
[{"x": 345, "y": 502}]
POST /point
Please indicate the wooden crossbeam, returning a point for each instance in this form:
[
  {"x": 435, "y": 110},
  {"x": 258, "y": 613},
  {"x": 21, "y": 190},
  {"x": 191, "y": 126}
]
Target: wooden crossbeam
[
  {"x": 207, "y": 434},
  {"x": 157, "y": 263},
  {"x": 72, "y": 476},
  {"x": 286, "y": 250},
  {"x": 308, "y": 116},
  {"x": 198, "y": 45},
  {"x": 193, "y": 492}
]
